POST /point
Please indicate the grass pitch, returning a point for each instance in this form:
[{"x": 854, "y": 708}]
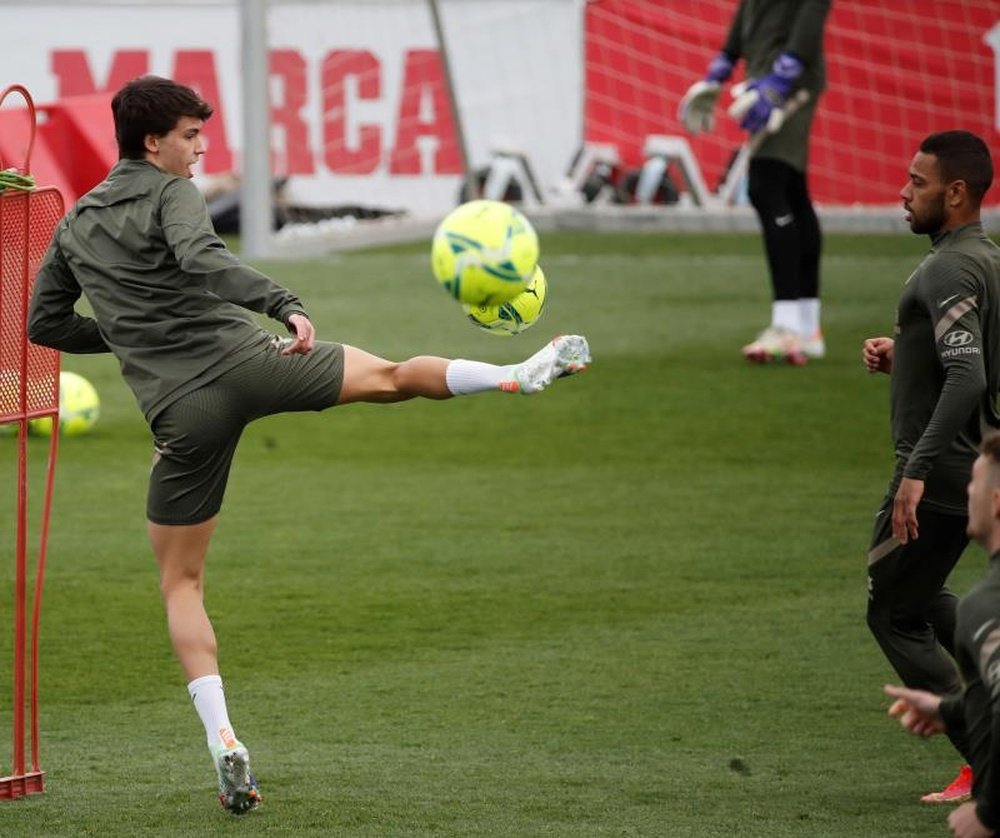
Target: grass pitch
[{"x": 633, "y": 605}]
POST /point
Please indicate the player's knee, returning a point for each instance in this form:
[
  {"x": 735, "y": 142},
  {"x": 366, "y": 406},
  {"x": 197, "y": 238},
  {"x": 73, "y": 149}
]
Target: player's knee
[
  {"x": 179, "y": 579},
  {"x": 385, "y": 385},
  {"x": 406, "y": 379}
]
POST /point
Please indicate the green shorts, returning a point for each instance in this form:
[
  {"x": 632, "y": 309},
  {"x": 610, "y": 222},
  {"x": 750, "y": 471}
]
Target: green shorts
[{"x": 195, "y": 437}]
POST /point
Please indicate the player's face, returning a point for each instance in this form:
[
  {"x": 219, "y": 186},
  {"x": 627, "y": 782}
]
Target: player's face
[
  {"x": 924, "y": 195},
  {"x": 180, "y": 149},
  {"x": 982, "y": 501}
]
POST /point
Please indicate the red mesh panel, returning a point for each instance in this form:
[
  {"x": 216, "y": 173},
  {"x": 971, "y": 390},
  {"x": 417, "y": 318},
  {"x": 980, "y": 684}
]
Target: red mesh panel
[
  {"x": 27, "y": 220},
  {"x": 29, "y": 386}
]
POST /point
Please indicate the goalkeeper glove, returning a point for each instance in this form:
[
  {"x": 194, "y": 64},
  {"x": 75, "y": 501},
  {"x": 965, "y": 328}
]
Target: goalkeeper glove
[
  {"x": 761, "y": 102},
  {"x": 696, "y": 109}
]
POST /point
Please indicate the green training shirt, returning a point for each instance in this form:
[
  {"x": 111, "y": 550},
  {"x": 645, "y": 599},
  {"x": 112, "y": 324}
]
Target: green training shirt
[
  {"x": 169, "y": 298},
  {"x": 945, "y": 365}
]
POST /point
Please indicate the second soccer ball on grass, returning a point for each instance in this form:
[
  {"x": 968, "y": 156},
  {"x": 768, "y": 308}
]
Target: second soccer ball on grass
[{"x": 484, "y": 253}]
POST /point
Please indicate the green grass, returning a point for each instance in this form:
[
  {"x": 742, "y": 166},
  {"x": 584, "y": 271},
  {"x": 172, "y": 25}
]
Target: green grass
[{"x": 633, "y": 605}]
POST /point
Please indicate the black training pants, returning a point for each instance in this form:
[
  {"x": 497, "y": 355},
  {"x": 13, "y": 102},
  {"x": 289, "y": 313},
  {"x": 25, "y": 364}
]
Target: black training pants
[
  {"x": 910, "y": 611},
  {"x": 792, "y": 236}
]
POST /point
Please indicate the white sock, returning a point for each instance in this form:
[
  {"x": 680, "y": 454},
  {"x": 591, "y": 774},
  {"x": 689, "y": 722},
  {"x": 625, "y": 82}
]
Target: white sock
[
  {"x": 210, "y": 702},
  {"x": 809, "y": 316},
  {"x": 466, "y": 377},
  {"x": 785, "y": 315}
]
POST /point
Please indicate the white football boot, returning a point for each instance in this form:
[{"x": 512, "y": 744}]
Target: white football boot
[
  {"x": 564, "y": 355},
  {"x": 776, "y": 344}
]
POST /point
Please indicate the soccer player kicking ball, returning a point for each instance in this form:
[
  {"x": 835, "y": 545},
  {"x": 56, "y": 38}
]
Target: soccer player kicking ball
[{"x": 169, "y": 301}]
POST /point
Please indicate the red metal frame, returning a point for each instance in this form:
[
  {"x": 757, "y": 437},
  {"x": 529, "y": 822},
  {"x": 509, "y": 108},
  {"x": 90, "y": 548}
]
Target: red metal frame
[{"x": 29, "y": 389}]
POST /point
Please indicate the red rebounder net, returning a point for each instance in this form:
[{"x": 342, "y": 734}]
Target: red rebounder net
[{"x": 29, "y": 389}]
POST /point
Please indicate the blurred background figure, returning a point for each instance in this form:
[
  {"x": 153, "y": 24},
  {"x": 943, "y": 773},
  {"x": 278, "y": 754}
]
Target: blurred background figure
[{"x": 781, "y": 42}]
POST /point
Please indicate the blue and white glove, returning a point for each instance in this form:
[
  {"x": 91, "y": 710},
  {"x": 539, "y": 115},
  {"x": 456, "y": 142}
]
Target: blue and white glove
[
  {"x": 759, "y": 104},
  {"x": 697, "y": 109}
]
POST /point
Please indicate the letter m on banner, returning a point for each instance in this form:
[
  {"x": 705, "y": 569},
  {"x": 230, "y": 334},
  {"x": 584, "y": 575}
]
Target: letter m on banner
[{"x": 29, "y": 389}]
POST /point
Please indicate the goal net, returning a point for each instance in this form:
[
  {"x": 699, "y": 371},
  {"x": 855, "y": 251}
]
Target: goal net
[{"x": 897, "y": 71}]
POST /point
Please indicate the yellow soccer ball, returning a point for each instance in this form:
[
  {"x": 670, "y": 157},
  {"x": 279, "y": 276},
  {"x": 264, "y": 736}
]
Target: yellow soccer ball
[
  {"x": 79, "y": 407},
  {"x": 484, "y": 252},
  {"x": 516, "y": 315}
]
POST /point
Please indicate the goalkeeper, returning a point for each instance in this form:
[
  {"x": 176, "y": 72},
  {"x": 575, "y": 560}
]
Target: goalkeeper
[{"x": 781, "y": 42}]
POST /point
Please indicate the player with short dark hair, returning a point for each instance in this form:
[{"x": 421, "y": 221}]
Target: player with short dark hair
[
  {"x": 152, "y": 105},
  {"x": 170, "y": 301},
  {"x": 975, "y": 710},
  {"x": 945, "y": 365}
]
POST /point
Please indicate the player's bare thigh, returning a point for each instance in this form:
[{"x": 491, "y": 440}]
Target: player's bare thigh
[{"x": 369, "y": 378}]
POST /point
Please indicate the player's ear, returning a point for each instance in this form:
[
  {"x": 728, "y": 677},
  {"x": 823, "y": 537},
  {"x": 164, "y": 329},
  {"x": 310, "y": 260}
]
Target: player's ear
[
  {"x": 152, "y": 143},
  {"x": 957, "y": 192}
]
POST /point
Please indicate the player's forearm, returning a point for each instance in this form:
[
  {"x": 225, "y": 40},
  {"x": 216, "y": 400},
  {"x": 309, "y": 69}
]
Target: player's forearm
[
  {"x": 960, "y": 398},
  {"x": 67, "y": 333},
  {"x": 53, "y": 322},
  {"x": 252, "y": 290},
  {"x": 202, "y": 254},
  {"x": 734, "y": 40}
]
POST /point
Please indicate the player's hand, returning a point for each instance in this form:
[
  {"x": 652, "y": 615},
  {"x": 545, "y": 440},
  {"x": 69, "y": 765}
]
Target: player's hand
[
  {"x": 759, "y": 104},
  {"x": 964, "y": 822},
  {"x": 304, "y": 335},
  {"x": 919, "y": 711},
  {"x": 696, "y": 110},
  {"x": 876, "y": 354},
  {"x": 904, "y": 509}
]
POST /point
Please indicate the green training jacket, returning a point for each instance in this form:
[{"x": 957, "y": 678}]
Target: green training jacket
[{"x": 170, "y": 300}]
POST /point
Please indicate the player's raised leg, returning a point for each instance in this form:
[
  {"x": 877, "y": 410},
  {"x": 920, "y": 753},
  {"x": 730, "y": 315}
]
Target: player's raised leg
[{"x": 369, "y": 378}]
